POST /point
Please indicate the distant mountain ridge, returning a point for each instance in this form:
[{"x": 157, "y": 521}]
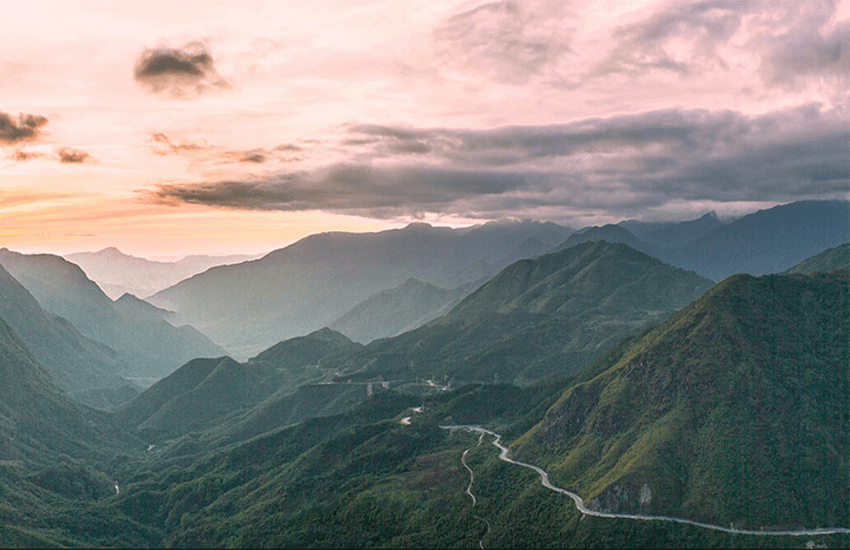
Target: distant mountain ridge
[
  {"x": 673, "y": 234},
  {"x": 148, "y": 346},
  {"x": 295, "y": 290},
  {"x": 405, "y": 307},
  {"x": 117, "y": 273},
  {"x": 767, "y": 241}
]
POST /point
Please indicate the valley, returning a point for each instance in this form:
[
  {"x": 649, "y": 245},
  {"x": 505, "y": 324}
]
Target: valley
[{"x": 688, "y": 412}]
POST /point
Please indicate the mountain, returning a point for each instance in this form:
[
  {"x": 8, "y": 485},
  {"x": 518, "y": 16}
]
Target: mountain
[
  {"x": 40, "y": 424},
  {"x": 405, "y": 307},
  {"x": 86, "y": 369},
  {"x": 673, "y": 234},
  {"x": 610, "y": 233},
  {"x": 118, "y": 273},
  {"x": 733, "y": 411},
  {"x": 204, "y": 393},
  {"x": 767, "y": 241},
  {"x": 826, "y": 261},
  {"x": 536, "y": 318},
  {"x": 148, "y": 346},
  {"x": 295, "y": 290}
]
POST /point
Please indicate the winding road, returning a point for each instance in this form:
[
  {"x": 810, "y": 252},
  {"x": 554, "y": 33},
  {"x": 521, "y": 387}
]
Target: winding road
[
  {"x": 469, "y": 491},
  {"x": 503, "y": 455}
]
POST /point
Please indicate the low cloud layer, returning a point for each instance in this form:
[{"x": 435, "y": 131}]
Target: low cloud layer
[
  {"x": 179, "y": 73},
  {"x": 24, "y": 128},
  {"x": 621, "y": 163}
]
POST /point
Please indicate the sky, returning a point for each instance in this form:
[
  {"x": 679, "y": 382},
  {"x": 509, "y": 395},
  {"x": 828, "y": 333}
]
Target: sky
[{"x": 218, "y": 127}]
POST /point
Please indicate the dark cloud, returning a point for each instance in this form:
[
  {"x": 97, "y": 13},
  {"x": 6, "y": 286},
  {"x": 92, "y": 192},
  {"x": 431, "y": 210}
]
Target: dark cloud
[
  {"x": 184, "y": 74},
  {"x": 72, "y": 156},
  {"x": 377, "y": 191},
  {"x": 256, "y": 158},
  {"x": 508, "y": 41},
  {"x": 624, "y": 162},
  {"x": 25, "y": 128}
]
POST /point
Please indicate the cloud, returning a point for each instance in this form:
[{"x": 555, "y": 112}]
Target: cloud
[
  {"x": 507, "y": 41},
  {"x": 24, "y": 156},
  {"x": 812, "y": 46},
  {"x": 681, "y": 40},
  {"x": 790, "y": 41},
  {"x": 183, "y": 74},
  {"x": 25, "y": 128},
  {"x": 381, "y": 192},
  {"x": 164, "y": 146},
  {"x": 201, "y": 150},
  {"x": 68, "y": 155},
  {"x": 624, "y": 163}
]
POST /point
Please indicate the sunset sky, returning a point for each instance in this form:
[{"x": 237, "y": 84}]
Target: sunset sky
[{"x": 165, "y": 127}]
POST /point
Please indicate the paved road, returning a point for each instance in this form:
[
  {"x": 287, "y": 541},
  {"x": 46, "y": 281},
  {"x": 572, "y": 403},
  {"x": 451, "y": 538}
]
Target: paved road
[{"x": 584, "y": 510}]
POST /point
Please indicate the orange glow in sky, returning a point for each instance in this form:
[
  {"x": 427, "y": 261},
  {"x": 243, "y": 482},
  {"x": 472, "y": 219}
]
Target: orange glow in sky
[{"x": 167, "y": 127}]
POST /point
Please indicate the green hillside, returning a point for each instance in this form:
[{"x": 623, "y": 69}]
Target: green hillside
[
  {"x": 544, "y": 317},
  {"x": 826, "y": 261},
  {"x": 736, "y": 410}
]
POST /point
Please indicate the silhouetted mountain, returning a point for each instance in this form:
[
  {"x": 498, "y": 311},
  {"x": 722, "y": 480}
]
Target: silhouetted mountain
[
  {"x": 610, "y": 233},
  {"x": 767, "y": 241},
  {"x": 118, "y": 273},
  {"x": 733, "y": 411},
  {"x": 391, "y": 312},
  {"x": 826, "y": 261},
  {"x": 148, "y": 346},
  {"x": 79, "y": 365},
  {"x": 536, "y": 318},
  {"x": 673, "y": 234},
  {"x": 298, "y": 289}
]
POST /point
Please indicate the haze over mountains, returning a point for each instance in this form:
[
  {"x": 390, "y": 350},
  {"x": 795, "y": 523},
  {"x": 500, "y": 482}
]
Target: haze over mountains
[
  {"x": 148, "y": 347},
  {"x": 767, "y": 241},
  {"x": 117, "y": 273},
  {"x": 320, "y": 279},
  {"x": 77, "y": 364},
  {"x": 644, "y": 387},
  {"x": 293, "y": 291}
]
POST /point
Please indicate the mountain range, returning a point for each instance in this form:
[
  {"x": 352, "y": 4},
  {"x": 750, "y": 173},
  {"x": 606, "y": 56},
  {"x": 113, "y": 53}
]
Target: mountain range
[
  {"x": 293, "y": 291},
  {"x": 117, "y": 273},
  {"x": 82, "y": 367},
  {"x": 536, "y": 318},
  {"x": 643, "y": 387},
  {"x": 733, "y": 411},
  {"x": 766, "y": 241},
  {"x": 147, "y": 345}
]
